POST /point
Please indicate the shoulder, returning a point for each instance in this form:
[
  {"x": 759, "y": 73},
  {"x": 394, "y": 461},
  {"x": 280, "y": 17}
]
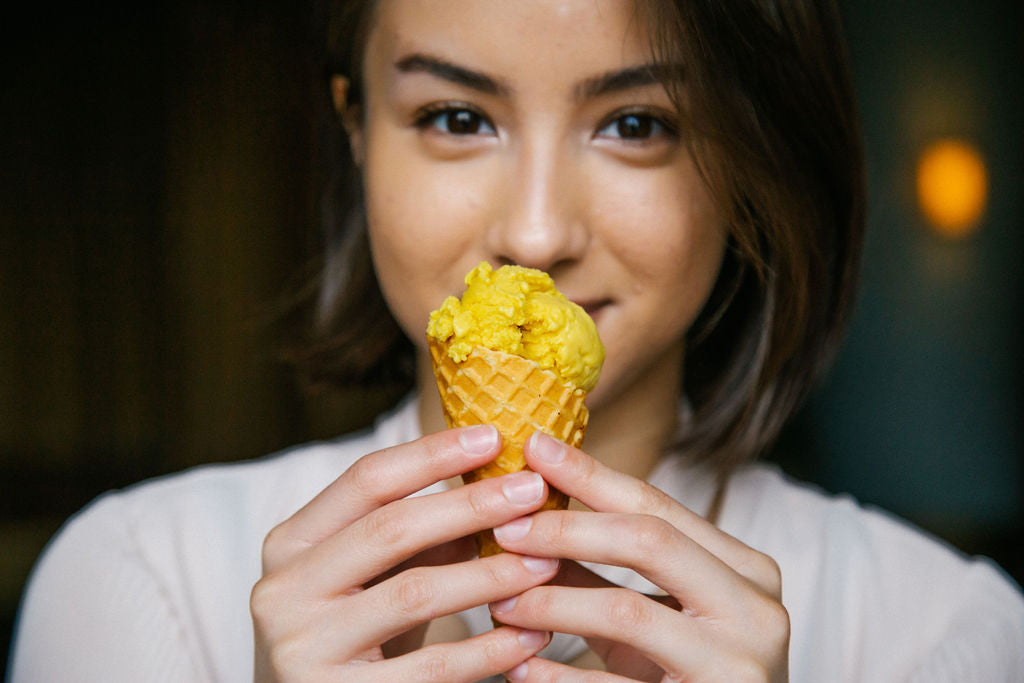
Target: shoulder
[
  {"x": 873, "y": 593},
  {"x": 243, "y": 500},
  {"x": 161, "y": 572},
  {"x": 251, "y": 495}
]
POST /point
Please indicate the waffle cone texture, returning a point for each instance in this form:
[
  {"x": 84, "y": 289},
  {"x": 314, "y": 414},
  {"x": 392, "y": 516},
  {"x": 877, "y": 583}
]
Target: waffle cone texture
[{"x": 518, "y": 397}]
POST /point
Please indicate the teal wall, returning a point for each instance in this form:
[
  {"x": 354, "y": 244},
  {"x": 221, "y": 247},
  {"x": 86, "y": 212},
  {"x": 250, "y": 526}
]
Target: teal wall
[{"x": 922, "y": 413}]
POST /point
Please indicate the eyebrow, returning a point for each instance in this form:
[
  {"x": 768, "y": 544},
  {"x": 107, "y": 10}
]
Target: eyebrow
[
  {"x": 604, "y": 84},
  {"x": 624, "y": 79},
  {"x": 418, "y": 63}
]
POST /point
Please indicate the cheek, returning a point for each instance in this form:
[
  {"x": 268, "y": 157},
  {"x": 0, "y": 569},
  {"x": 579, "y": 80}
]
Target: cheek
[
  {"x": 407, "y": 208},
  {"x": 664, "y": 230},
  {"x": 667, "y": 241},
  {"x": 423, "y": 219}
]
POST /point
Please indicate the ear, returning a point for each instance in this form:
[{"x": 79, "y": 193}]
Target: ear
[
  {"x": 339, "y": 94},
  {"x": 351, "y": 117}
]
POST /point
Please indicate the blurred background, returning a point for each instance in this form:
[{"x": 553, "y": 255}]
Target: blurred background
[{"x": 161, "y": 165}]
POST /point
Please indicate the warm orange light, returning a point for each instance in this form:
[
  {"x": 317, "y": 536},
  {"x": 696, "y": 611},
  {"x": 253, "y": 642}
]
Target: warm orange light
[{"x": 952, "y": 185}]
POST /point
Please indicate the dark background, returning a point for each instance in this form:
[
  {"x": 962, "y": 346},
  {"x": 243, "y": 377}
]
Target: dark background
[{"x": 160, "y": 171}]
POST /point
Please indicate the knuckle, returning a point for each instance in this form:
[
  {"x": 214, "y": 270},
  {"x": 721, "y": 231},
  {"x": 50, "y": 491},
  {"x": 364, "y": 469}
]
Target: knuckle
[
  {"x": 629, "y": 610},
  {"x": 274, "y": 551},
  {"x": 435, "y": 450},
  {"x": 658, "y": 533},
  {"x": 367, "y": 476},
  {"x": 586, "y": 470},
  {"x": 769, "y": 652},
  {"x": 561, "y": 530},
  {"x": 500, "y": 572},
  {"x": 435, "y": 666},
  {"x": 480, "y": 500},
  {"x": 494, "y": 650},
  {"x": 273, "y": 539},
  {"x": 649, "y": 499},
  {"x": 412, "y": 591},
  {"x": 766, "y": 573},
  {"x": 777, "y": 625},
  {"x": 651, "y": 535},
  {"x": 387, "y": 525},
  {"x": 536, "y": 601},
  {"x": 551, "y": 529},
  {"x": 264, "y": 598}
]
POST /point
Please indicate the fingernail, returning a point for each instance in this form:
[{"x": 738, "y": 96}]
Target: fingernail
[
  {"x": 523, "y": 488},
  {"x": 547, "y": 448},
  {"x": 533, "y": 639},
  {"x": 514, "y": 530},
  {"x": 518, "y": 673},
  {"x": 479, "y": 439},
  {"x": 504, "y": 605},
  {"x": 539, "y": 565}
]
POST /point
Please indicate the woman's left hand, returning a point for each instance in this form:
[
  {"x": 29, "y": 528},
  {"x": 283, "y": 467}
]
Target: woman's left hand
[{"x": 722, "y": 619}]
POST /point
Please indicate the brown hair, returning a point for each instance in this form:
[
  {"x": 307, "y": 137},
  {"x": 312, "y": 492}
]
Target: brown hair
[{"x": 771, "y": 119}]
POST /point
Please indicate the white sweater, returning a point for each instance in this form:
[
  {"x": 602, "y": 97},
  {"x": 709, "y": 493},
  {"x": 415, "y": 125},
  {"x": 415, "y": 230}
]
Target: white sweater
[{"x": 152, "y": 583}]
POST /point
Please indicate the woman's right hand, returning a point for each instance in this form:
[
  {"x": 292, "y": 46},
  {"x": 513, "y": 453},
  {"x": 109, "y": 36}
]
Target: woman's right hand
[{"x": 353, "y": 578}]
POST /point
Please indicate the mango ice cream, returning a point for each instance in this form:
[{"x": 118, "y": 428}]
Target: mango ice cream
[
  {"x": 519, "y": 311},
  {"x": 516, "y": 353}
]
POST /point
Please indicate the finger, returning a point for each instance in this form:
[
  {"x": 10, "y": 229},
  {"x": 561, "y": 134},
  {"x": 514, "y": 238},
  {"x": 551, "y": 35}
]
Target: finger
[
  {"x": 422, "y": 594},
  {"x": 576, "y": 575},
  {"x": 392, "y": 534},
  {"x": 459, "y": 550},
  {"x": 673, "y": 641},
  {"x": 537, "y": 670},
  {"x": 604, "y": 489},
  {"x": 646, "y": 544},
  {"x": 469, "y": 660},
  {"x": 377, "y": 479},
  {"x": 573, "y": 574}
]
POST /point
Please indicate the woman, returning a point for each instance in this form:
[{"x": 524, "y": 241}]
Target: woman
[{"x": 690, "y": 173}]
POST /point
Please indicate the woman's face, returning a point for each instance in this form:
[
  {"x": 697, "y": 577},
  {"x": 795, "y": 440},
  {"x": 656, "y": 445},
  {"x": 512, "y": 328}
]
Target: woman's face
[{"x": 531, "y": 132}]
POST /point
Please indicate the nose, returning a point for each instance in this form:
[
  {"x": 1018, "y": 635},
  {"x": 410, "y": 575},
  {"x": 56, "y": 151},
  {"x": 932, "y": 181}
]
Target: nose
[{"x": 541, "y": 224}]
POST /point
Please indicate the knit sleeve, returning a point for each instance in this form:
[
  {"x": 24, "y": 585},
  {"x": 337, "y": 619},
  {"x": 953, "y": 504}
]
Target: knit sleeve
[
  {"x": 984, "y": 640},
  {"x": 95, "y": 611}
]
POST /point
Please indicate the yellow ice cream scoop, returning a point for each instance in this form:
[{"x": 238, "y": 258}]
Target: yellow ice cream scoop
[
  {"x": 519, "y": 311},
  {"x": 515, "y": 353}
]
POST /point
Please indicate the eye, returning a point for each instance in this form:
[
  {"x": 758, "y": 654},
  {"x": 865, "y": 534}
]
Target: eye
[
  {"x": 453, "y": 120},
  {"x": 636, "y": 126}
]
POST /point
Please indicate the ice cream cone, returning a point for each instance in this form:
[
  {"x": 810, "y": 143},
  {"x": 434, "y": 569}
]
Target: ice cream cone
[{"x": 518, "y": 397}]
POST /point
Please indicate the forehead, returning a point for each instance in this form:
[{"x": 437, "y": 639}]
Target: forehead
[{"x": 514, "y": 37}]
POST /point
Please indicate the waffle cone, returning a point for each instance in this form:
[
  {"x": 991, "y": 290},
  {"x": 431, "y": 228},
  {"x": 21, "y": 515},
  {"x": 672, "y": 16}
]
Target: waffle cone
[{"x": 518, "y": 397}]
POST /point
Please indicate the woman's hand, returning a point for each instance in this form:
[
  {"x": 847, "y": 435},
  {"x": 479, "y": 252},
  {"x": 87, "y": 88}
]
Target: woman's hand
[
  {"x": 353, "y": 578},
  {"x": 722, "y": 618}
]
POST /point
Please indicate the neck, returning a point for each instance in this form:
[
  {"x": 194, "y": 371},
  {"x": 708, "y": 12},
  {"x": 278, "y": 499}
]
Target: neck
[{"x": 628, "y": 431}]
